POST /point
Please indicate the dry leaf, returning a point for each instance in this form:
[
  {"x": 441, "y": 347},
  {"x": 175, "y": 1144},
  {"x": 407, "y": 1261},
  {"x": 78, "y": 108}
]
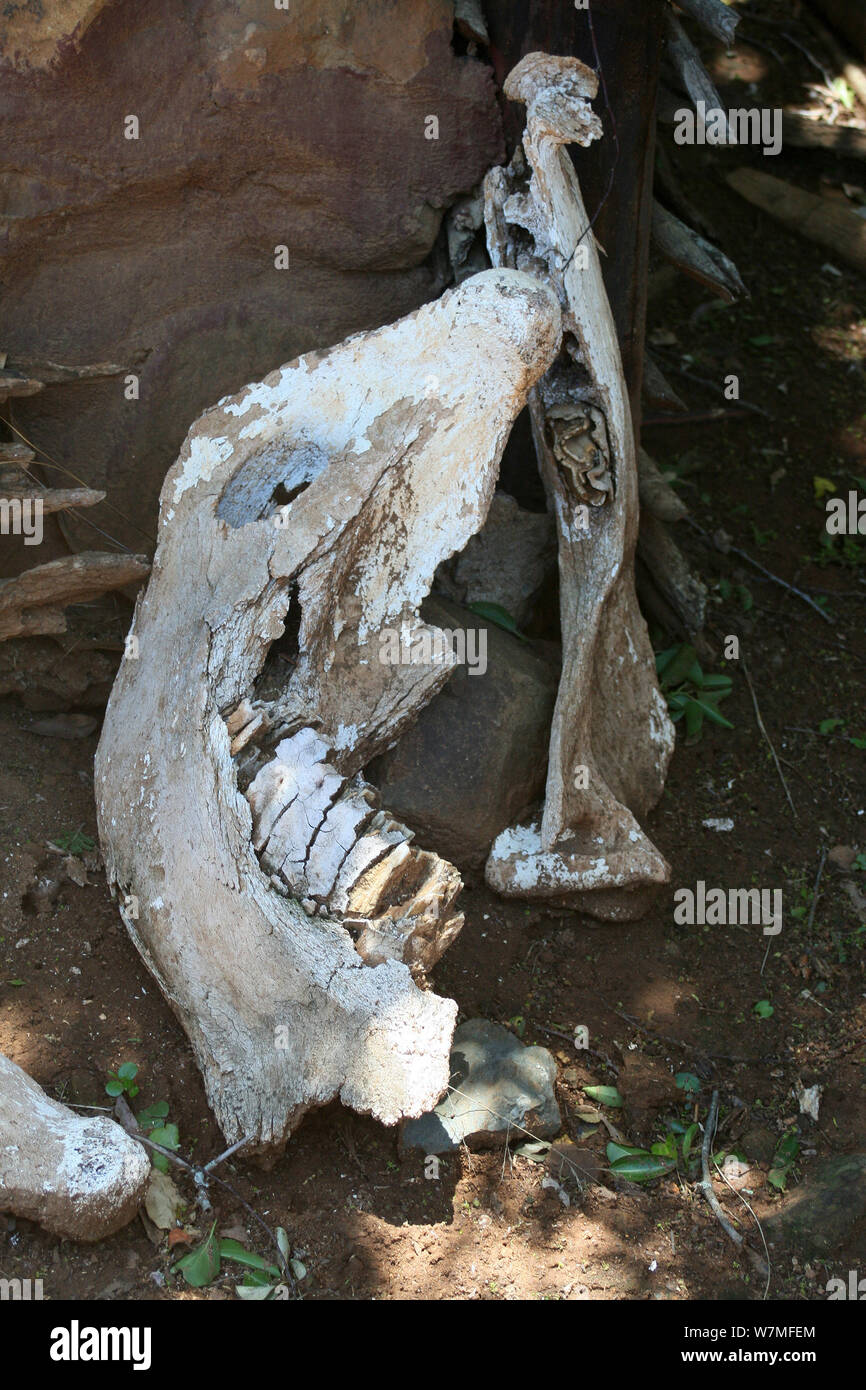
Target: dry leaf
[{"x": 162, "y": 1201}]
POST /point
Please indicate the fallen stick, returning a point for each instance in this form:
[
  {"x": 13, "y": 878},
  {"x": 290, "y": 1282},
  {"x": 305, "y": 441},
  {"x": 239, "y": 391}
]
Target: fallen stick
[
  {"x": 55, "y": 373},
  {"x": 719, "y": 19},
  {"x": 53, "y": 499},
  {"x": 12, "y": 384},
  {"x": 696, "y": 417},
  {"x": 845, "y": 140},
  {"x": 712, "y": 1200},
  {"x": 686, "y": 63},
  {"x": 714, "y": 386},
  {"x": 679, "y": 586},
  {"x": 837, "y": 228},
  {"x": 743, "y": 555},
  {"x": 666, "y": 180},
  {"x": 767, "y": 738},
  {"x": 707, "y": 1184},
  {"x": 33, "y": 602},
  {"x": 656, "y": 494},
  {"x": 695, "y": 256},
  {"x": 657, "y": 391}
]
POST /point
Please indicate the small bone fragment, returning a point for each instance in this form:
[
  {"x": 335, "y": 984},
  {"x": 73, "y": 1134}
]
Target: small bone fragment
[
  {"x": 78, "y": 1176},
  {"x": 239, "y": 717},
  {"x": 256, "y": 726}
]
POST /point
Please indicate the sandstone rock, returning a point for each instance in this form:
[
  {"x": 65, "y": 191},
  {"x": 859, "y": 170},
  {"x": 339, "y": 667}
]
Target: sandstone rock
[
  {"x": 34, "y": 35},
  {"x": 79, "y": 1176},
  {"x": 258, "y": 127},
  {"x": 502, "y": 1084},
  {"x": 506, "y": 563},
  {"x": 476, "y": 757}
]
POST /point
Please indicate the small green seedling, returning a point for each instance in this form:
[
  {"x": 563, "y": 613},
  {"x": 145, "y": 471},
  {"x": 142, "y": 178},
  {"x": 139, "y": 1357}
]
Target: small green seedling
[
  {"x": 74, "y": 842},
  {"x": 783, "y": 1161},
  {"x": 122, "y": 1081}
]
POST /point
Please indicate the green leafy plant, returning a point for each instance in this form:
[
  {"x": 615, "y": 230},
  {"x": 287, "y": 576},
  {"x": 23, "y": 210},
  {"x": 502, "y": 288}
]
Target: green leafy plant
[
  {"x": 690, "y": 693},
  {"x": 166, "y": 1135},
  {"x": 829, "y": 726},
  {"x": 74, "y": 842},
  {"x": 727, "y": 590},
  {"x": 764, "y": 1009},
  {"x": 838, "y": 550},
  {"x": 201, "y": 1266},
  {"x": 122, "y": 1081},
  {"x": 762, "y": 538},
  {"x": 843, "y": 93},
  {"x": 604, "y": 1095},
  {"x": 495, "y": 613},
  {"x": 678, "y": 1150},
  {"x": 784, "y": 1158}
]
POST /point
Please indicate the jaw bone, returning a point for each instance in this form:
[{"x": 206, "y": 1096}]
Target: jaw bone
[
  {"x": 611, "y": 739},
  {"x": 384, "y": 451}
]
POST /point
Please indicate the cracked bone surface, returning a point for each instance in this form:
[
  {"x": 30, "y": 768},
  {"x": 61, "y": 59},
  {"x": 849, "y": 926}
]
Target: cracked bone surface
[
  {"x": 79, "y": 1176},
  {"x": 611, "y": 739},
  {"x": 337, "y": 484}
]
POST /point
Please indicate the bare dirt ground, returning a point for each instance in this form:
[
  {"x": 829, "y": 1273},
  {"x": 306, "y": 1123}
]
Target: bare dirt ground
[{"x": 656, "y": 998}]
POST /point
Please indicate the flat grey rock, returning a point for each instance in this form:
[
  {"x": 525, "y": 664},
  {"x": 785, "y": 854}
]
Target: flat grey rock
[
  {"x": 501, "y": 1084},
  {"x": 820, "y": 1216}
]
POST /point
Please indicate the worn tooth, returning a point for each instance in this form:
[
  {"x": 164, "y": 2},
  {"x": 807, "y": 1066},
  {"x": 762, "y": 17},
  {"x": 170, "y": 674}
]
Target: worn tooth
[
  {"x": 344, "y": 824},
  {"x": 272, "y": 789},
  {"x": 256, "y": 726},
  {"x": 240, "y": 715},
  {"x": 367, "y": 852},
  {"x": 291, "y": 837}
]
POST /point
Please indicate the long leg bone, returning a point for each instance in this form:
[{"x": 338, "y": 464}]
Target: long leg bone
[
  {"x": 611, "y": 739},
  {"x": 340, "y": 481}
]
